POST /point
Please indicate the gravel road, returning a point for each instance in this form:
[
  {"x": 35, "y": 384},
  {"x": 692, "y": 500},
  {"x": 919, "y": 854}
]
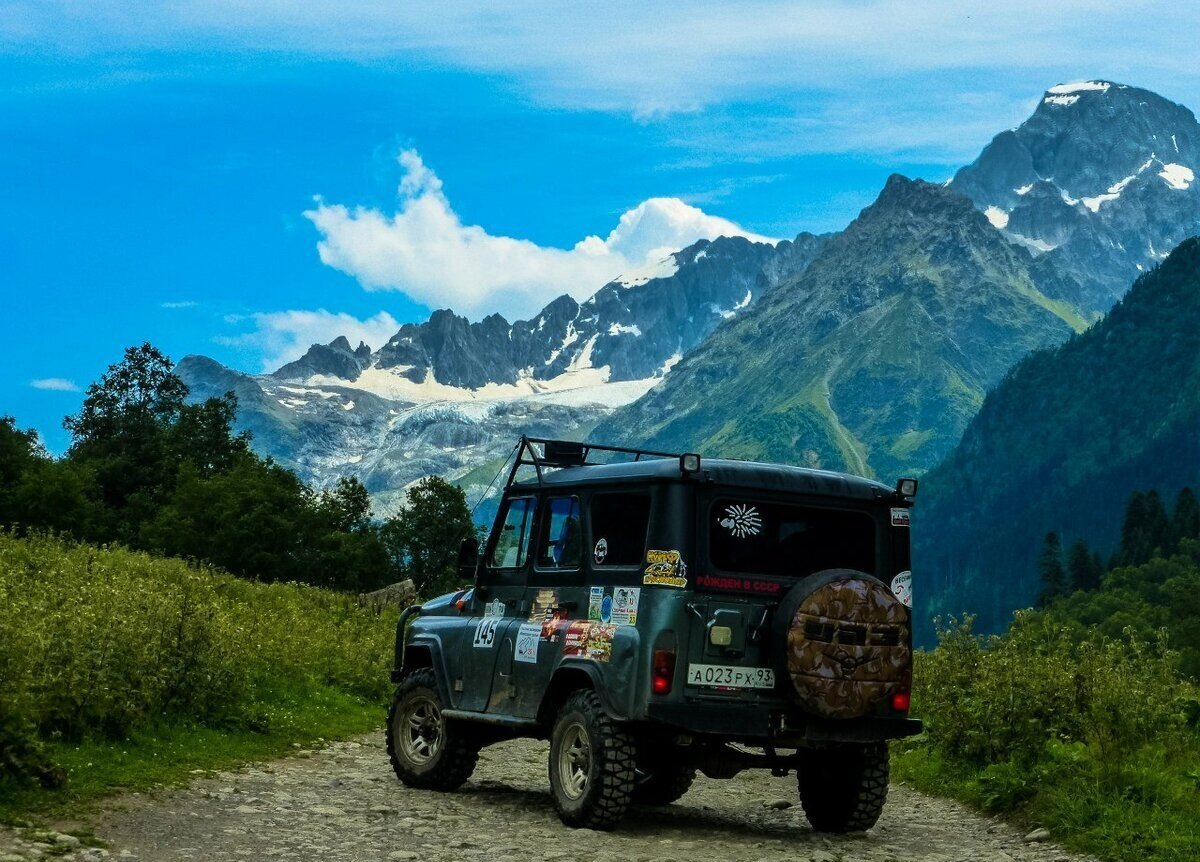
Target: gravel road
[{"x": 342, "y": 803}]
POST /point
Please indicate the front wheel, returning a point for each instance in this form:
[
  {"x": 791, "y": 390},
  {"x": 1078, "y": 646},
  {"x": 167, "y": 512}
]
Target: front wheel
[
  {"x": 426, "y": 750},
  {"x": 592, "y": 764},
  {"x": 842, "y": 789}
]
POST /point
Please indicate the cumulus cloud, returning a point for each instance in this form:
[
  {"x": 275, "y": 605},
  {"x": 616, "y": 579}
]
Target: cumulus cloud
[
  {"x": 55, "y": 384},
  {"x": 424, "y": 250},
  {"x": 281, "y": 336}
]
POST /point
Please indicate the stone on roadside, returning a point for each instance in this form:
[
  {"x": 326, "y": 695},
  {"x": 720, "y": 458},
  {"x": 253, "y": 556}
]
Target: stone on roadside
[{"x": 1038, "y": 835}]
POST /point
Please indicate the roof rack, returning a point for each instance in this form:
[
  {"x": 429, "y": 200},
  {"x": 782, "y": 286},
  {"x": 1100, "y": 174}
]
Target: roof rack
[{"x": 568, "y": 453}]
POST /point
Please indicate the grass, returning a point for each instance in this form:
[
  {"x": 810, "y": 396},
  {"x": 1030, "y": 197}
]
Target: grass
[
  {"x": 167, "y": 755},
  {"x": 122, "y": 670}
]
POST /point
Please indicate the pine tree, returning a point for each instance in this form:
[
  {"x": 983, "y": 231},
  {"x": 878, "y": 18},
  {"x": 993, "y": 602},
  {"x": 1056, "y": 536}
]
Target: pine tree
[
  {"x": 1134, "y": 548},
  {"x": 1186, "y": 522},
  {"x": 1050, "y": 569},
  {"x": 1081, "y": 568},
  {"x": 1158, "y": 525}
]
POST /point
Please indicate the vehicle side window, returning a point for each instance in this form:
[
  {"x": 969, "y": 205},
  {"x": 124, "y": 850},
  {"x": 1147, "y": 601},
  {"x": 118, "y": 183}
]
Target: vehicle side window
[
  {"x": 511, "y": 546},
  {"x": 560, "y": 544},
  {"x": 619, "y": 522}
]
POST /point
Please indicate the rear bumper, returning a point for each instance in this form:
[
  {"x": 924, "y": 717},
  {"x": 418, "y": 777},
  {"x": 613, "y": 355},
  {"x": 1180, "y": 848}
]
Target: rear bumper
[{"x": 761, "y": 724}]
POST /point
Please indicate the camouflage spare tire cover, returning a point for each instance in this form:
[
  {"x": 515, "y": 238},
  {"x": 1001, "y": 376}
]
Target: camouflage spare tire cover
[{"x": 847, "y": 643}]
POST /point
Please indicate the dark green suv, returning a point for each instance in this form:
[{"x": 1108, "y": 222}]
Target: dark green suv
[{"x": 658, "y": 615}]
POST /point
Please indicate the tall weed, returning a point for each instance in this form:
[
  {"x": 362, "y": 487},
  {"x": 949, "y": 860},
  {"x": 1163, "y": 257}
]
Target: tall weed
[{"x": 97, "y": 642}]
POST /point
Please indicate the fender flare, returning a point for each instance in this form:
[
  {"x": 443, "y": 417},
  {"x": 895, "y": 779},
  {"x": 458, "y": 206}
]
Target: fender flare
[{"x": 565, "y": 679}]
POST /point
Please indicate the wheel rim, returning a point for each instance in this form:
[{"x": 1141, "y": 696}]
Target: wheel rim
[
  {"x": 420, "y": 729},
  {"x": 574, "y": 760}
]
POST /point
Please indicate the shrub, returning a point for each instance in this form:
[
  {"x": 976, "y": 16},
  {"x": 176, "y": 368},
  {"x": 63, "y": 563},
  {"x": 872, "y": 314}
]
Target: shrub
[{"x": 98, "y": 642}]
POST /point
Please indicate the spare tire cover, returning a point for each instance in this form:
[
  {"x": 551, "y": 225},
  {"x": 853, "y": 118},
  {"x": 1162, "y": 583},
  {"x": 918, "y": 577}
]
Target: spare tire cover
[{"x": 846, "y": 642}]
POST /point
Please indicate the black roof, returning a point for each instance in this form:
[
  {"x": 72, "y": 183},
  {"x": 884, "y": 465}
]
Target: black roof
[{"x": 718, "y": 471}]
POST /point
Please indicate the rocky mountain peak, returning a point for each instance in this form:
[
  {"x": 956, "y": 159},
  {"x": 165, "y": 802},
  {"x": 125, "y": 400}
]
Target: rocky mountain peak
[{"x": 1101, "y": 177}]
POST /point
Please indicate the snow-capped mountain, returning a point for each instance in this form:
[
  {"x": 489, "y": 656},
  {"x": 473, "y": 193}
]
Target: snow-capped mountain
[
  {"x": 449, "y": 396},
  {"x": 1101, "y": 180}
]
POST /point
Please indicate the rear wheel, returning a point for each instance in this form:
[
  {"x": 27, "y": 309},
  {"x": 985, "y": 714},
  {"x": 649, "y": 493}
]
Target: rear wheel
[
  {"x": 426, "y": 750},
  {"x": 843, "y": 789},
  {"x": 661, "y": 778},
  {"x": 592, "y": 764}
]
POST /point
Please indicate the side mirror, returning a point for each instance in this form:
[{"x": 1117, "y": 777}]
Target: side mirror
[{"x": 468, "y": 560}]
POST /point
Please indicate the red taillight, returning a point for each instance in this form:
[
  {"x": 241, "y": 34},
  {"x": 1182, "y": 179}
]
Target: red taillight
[
  {"x": 664, "y": 671},
  {"x": 901, "y": 700}
]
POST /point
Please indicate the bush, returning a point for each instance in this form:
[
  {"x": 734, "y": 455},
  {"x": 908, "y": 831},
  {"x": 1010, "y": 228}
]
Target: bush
[
  {"x": 1094, "y": 737},
  {"x": 98, "y": 642}
]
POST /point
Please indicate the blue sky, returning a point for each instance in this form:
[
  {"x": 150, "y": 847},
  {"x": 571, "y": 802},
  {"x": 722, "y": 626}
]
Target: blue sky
[{"x": 226, "y": 178}]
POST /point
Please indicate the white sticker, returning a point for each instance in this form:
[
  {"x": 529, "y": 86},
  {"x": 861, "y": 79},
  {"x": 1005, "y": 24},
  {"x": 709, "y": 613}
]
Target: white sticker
[
  {"x": 900, "y": 517},
  {"x": 625, "y": 606},
  {"x": 485, "y": 633},
  {"x": 742, "y": 520},
  {"x": 528, "y": 636},
  {"x": 494, "y": 608},
  {"x": 902, "y": 588},
  {"x": 600, "y": 551},
  {"x": 595, "y": 600}
]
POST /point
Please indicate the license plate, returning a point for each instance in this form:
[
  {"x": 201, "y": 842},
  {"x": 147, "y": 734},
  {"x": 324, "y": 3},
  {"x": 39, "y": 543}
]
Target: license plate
[{"x": 726, "y": 676}]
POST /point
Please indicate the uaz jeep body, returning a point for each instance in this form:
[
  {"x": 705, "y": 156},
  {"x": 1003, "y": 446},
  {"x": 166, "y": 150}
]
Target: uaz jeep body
[{"x": 662, "y": 615}]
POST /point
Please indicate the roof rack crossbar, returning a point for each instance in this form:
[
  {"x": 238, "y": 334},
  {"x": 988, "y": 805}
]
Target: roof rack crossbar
[{"x": 529, "y": 456}]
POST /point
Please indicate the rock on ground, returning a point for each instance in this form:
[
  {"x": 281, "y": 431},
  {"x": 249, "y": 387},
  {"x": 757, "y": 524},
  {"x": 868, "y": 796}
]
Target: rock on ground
[{"x": 343, "y": 804}]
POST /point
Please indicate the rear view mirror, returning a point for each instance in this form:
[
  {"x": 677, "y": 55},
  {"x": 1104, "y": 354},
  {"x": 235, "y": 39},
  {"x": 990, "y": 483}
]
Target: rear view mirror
[{"x": 468, "y": 560}]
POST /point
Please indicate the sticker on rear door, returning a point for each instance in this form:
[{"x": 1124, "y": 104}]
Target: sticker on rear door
[
  {"x": 901, "y": 517},
  {"x": 902, "y": 588}
]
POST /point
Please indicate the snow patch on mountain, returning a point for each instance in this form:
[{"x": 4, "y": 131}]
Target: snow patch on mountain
[
  {"x": 1079, "y": 87},
  {"x": 1114, "y": 191},
  {"x": 664, "y": 268},
  {"x": 997, "y": 216},
  {"x": 1178, "y": 177}
]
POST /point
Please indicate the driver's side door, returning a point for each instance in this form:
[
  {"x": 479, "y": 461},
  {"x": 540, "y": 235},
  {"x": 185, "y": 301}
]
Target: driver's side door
[{"x": 496, "y": 607}]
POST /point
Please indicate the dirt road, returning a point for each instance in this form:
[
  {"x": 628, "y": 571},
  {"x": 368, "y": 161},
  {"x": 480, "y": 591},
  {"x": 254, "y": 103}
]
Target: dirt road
[{"x": 342, "y": 803}]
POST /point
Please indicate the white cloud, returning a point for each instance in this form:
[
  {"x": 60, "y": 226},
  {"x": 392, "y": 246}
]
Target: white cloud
[
  {"x": 184, "y": 303},
  {"x": 425, "y": 251},
  {"x": 55, "y": 384},
  {"x": 281, "y": 336}
]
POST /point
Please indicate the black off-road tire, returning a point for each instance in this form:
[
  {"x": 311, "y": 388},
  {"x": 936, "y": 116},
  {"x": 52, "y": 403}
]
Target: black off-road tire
[
  {"x": 451, "y": 761},
  {"x": 606, "y": 790},
  {"x": 661, "y": 779},
  {"x": 843, "y": 789}
]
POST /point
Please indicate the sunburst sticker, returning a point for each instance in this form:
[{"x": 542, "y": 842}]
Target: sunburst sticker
[{"x": 742, "y": 520}]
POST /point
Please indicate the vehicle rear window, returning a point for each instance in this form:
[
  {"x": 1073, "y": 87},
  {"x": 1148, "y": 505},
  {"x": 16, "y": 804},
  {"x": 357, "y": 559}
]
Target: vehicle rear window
[
  {"x": 618, "y": 528},
  {"x": 782, "y": 540}
]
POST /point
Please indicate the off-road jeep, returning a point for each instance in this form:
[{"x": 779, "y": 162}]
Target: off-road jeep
[{"x": 663, "y": 614}]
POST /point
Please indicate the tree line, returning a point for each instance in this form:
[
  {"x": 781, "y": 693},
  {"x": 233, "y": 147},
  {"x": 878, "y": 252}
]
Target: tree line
[
  {"x": 1151, "y": 583},
  {"x": 150, "y": 471}
]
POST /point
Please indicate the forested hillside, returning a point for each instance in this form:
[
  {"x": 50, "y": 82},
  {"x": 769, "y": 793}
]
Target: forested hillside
[{"x": 1061, "y": 444}]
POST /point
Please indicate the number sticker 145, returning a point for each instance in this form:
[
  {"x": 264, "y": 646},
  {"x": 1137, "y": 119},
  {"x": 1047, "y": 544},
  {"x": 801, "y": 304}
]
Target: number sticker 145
[{"x": 485, "y": 633}]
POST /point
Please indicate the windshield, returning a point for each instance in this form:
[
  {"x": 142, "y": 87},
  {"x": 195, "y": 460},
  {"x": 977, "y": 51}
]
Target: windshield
[{"x": 782, "y": 540}]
